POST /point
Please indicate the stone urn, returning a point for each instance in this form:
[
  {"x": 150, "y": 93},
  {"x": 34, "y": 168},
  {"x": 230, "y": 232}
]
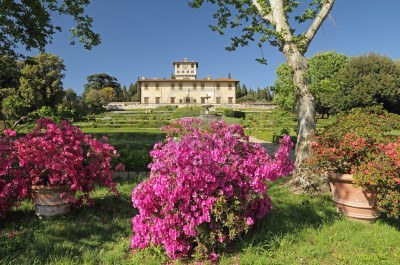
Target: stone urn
[
  {"x": 351, "y": 200},
  {"x": 51, "y": 201}
]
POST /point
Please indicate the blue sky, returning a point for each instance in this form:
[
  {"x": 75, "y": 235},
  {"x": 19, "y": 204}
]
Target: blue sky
[{"x": 143, "y": 38}]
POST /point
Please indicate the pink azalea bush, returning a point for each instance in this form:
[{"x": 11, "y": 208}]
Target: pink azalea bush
[
  {"x": 53, "y": 154},
  {"x": 208, "y": 184},
  {"x": 12, "y": 183}
]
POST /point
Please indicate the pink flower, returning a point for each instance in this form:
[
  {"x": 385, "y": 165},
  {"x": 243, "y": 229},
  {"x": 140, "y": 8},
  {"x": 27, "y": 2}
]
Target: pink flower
[
  {"x": 198, "y": 168},
  {"x": 249, "y": 221},
  {"x": 9, "y": 133},
  {"x": 53, "y": 154}
]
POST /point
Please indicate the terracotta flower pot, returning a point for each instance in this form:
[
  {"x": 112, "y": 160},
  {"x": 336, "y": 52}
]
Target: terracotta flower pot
[
  {"x": 351, "y": 200},
  {"x": 48, "y": 201}
]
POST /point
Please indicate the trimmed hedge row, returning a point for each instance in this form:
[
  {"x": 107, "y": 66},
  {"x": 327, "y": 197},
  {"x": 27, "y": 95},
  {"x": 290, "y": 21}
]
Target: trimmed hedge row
[
  {"x": 234, "y": 113},
  {"x": 187, "y": 112},
  {"x": 134, "y": 160}
]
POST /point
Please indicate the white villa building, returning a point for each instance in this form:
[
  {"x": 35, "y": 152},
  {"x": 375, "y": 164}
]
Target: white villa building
[{"x": 186, "y": 88}]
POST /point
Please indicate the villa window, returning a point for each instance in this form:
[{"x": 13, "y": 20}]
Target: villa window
[
  {"x": 172, "y": 100},
  {"x": 230, "y": 100},
  {"x": 172, "y": 86},
  {"x": 218, "y": 86},
  {"x": 157, "y": 86},
  {"x": 192, "y": 65},
  {"x": 157, "y": 100},
  {"x": 218, "y": 99},
  {"x": 202, "y": 86},
  {"x": 146, "y": 100},
  {"x": 194, "y": 86},
  {"x": 146, "y": 86},
  {"x": 180, "y": 86},
  {"x": 230, "y": 86},
  {"x": 178, "y": 65}
]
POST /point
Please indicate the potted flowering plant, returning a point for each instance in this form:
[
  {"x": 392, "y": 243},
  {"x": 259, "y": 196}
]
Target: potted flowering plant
[
  {"x": 55, "y": 161},
  {"x": 349, "y": 148}
]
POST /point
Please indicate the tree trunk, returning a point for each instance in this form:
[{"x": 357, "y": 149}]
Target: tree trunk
[{"x": 306, "y": 113}]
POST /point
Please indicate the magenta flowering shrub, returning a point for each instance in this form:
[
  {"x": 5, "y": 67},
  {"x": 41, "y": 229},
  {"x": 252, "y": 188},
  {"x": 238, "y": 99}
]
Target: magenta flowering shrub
[
  {"x": 12, "y": 183},
  {"x": 53, "y": 154},
  {"x": 208, "y": 184}
]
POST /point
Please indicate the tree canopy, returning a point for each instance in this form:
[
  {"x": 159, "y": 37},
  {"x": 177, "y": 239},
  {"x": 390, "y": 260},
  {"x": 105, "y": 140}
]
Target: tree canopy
[
  {"x": 41, "y": 81},
  {"x": 368, "y": 80},
  {"x": 322, "y": 68},
  {"x": 100, "y": 81},
  {"x": 30, "y": 24},
  {"x": 275, "y": 22}
]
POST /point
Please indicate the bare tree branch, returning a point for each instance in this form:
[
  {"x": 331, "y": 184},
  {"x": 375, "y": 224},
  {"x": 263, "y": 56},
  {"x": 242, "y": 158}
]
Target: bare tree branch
[
  {"x": 323, "y": 13},
  {"x": 265, "y": 16},
  {"x": 280, "y": 21}
]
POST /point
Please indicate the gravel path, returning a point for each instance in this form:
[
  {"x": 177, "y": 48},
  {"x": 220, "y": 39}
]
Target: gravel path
[{"x": 270, "y": 147}]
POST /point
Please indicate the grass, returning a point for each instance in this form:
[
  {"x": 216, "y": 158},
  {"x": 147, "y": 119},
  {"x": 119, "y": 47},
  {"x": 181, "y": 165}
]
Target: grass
[
  {"x": 301, "y": 229},
  {"x": 125, "y": 139}
]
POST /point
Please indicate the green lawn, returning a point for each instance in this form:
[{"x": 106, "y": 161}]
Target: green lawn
[{"x": 301, "y": 229}]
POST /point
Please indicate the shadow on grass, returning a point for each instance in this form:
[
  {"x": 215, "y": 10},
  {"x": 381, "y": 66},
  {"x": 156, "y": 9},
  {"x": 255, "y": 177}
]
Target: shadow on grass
[
  {"x": 390, "y": 221},
  {"x": 290, "y": 215},
  {"x": 25, "y": 238}
]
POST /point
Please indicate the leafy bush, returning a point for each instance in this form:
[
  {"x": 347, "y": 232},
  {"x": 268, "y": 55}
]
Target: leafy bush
[
  {"x": 381, "y": 177},
  {"x": 192, "y": 111},
  {"x": 208, "y": 184},
  {"x": 167, "y": 107},
  {"x": 342, "y": 146}
]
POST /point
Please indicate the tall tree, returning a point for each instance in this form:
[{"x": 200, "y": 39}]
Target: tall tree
[
  {"x": 244, "y": 90},
  {"x": 284, "y": 89},
  {"x": 10, "y": 72},
  {"x": 131, "y": 90},
  {"x": 238, "y": 91},
  {"x": 110, "y": 94},
  {"x": 124, "y": 94},
  {"x": 30, "y": 24},
  {"x": 70, "y": 96},
  {"x": 268, "y": 94},
  {"x": 269, "y": 20},
  {"x": 100, "y": 81},
  {"x": 41, "y": 81},
  {"x": 95, "y": 100},
  {"x": 322, "y": 68},
  {"x": 368, "y": 80}
]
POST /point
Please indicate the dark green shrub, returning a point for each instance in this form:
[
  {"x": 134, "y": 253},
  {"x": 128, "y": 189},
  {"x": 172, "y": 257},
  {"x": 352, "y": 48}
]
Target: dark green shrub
[
  {"x": 134, "y": 160},
  {"x": 234, "y": 113}
]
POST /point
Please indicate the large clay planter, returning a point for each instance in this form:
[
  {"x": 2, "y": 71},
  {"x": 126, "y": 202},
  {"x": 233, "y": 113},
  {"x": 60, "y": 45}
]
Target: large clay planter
[
  {"x": 351, "y": 200},
  {"x": 48, "y": 201}
]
